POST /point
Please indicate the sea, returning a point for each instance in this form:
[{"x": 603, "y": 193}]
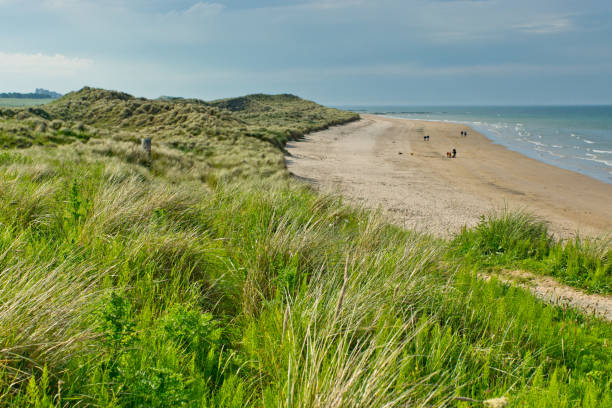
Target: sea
[{"x": 577, "y": 138}]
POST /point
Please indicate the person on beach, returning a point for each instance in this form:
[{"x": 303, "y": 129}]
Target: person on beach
[{"x": 454, "y": 153}]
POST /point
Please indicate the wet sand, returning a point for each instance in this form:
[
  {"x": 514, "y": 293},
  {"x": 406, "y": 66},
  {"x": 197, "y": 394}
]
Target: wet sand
[{"x": 384, "y": 162}]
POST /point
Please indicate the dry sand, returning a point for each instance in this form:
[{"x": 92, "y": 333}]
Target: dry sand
[{"x": 384, "y": 162}]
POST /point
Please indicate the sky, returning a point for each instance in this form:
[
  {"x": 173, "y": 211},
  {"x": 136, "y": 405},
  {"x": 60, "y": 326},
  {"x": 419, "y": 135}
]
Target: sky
[{"x": 336, "y": 52}]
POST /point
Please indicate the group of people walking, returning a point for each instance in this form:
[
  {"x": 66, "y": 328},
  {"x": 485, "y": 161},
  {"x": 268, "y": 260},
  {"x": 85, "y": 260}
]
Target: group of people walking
[{"x": 453, "y": 153}]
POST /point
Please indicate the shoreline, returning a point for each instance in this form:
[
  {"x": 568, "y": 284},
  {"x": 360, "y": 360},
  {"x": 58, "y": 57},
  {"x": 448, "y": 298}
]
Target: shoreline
[
  {"x": 383, "y": 162},
  {"x": 532, "y": 154},
  {"x": 490, "y": 139}
]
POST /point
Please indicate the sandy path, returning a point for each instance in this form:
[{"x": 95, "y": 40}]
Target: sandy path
[
  {"x": 384, "y": 162},
  {"x": 551, "y": 291}
]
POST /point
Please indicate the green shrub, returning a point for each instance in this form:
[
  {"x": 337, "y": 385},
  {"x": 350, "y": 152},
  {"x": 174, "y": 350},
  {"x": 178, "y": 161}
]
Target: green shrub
[
  {"x": 198, "y": 334},
  {"x": 520, "y": 240},
  {"x": 513, "y": 234},
  {"x": 582, "y": 263}
]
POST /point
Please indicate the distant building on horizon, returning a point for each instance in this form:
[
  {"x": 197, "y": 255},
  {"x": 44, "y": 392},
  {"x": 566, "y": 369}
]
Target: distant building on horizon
[{"x": 39, "y": 93}]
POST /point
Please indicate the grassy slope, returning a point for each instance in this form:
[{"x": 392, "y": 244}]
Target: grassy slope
[
  {"x": 520, "y": 240},
  {"x": 206, "y": 277}
]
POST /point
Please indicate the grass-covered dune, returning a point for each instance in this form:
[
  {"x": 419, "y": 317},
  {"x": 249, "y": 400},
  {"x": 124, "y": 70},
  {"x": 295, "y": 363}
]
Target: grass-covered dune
[
  {"x": 204, "y": 276},
  {"x": 191, "y": 137}
]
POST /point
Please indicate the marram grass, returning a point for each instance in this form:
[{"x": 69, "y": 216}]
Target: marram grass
[
  {"x": 204, "y": 276},
  {"x": 516, "y": 239}
]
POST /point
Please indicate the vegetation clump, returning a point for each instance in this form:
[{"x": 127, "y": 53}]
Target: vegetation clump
[{"x": 520, "y": 240}]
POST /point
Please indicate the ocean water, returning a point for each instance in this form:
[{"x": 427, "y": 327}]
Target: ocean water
[{"x": 577, "y": 138}]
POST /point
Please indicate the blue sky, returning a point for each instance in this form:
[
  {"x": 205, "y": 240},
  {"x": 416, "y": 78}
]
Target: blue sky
[{"x": 415, "y": 52}]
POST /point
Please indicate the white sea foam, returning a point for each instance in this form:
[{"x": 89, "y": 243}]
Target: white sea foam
[
  {"x": 597, "y": 160},
  {"x": 603, "y": 151},
  {"x": 561, "y": 156},
  {"x": 536, "y": 143},
  {"x": 587, "y": 141}
]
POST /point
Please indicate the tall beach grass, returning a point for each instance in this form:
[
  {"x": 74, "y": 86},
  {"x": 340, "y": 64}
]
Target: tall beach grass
[{"x": 209, "y": 278}]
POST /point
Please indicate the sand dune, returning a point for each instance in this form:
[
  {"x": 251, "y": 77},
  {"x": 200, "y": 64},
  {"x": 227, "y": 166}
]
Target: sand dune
[{"x": 385, "y": 162}]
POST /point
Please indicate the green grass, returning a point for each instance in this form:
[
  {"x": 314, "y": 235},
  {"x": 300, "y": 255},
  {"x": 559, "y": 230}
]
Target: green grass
[
  {"x": 192, "y": 137},
  {"x": 519, "y": 240},
  {"x": 180, "y": 281},
  {"x": 21, "y": 102}
]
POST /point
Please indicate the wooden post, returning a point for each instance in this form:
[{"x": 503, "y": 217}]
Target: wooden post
[{"x": 146, "y": 146}]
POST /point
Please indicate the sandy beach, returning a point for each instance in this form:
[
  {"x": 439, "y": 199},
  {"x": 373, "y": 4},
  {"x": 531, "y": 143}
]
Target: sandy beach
[{"x": 384, "y": 162}]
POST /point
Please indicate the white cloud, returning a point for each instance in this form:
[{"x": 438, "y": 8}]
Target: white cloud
[
  {"x": 38, "y": 63},
  {"x": 204, "y": 9},
  {"x": 59, "y": 4},
  {"x": 329, "y": 4},
  {"x": 551, "y": 25},
  {"x": 198, "y": 10}
]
